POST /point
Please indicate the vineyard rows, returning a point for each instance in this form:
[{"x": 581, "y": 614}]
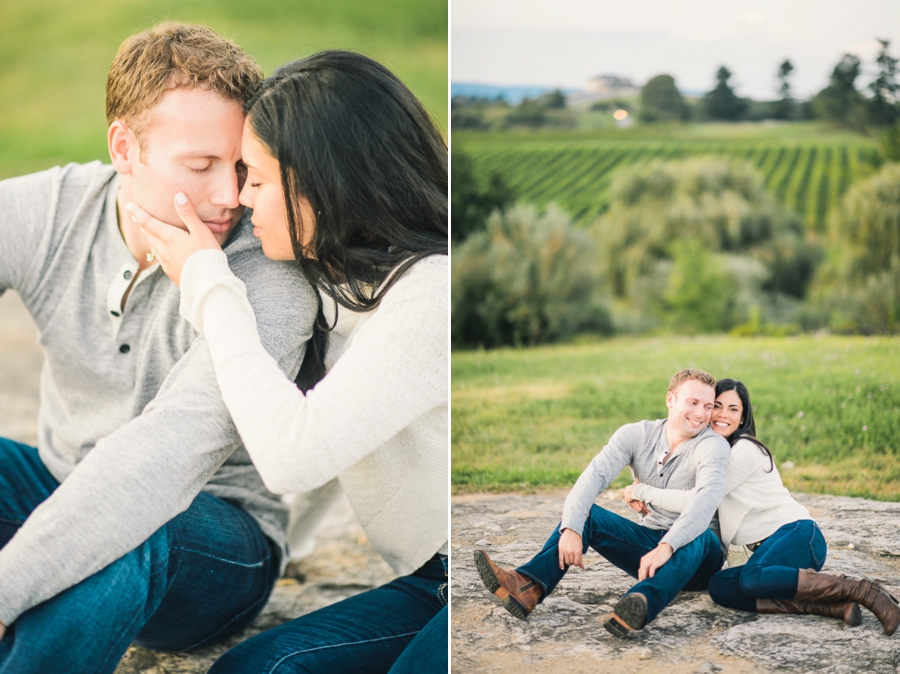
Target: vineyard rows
[{"x": 808, "y": 176}]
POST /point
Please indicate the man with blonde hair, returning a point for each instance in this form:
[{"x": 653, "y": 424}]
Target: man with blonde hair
[
  {"x": 667, "y": 551},
  {"x": 139, "y": 516}
]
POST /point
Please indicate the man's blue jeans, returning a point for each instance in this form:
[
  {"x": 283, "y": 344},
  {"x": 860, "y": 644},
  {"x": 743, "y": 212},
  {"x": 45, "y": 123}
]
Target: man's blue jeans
[
  {"x": 771, "y": 572},
  {"x": 399, "y": 628},
  {"x": 623, "y": 543},
  {"x": 201, "y": 578}
]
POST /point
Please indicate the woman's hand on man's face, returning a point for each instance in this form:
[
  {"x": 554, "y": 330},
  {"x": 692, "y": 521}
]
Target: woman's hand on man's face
[{"x": 173, "y": 245}]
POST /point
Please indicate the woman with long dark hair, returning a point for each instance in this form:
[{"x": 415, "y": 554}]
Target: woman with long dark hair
[
  {"x": 757, "y": 511},
  {"x": 347, "y": 176}
]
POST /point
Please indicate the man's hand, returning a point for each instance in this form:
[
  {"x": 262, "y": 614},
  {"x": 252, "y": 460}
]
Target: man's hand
[
  {"x": 634, "y": 504},
  {"x": 2, "y": 631},
  {"x": 570, "y": 550},
  {"x": 653, "y": 560}
]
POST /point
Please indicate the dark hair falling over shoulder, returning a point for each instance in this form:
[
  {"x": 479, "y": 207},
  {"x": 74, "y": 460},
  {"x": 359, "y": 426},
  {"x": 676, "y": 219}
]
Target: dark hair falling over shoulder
[
  {"x": 353, "y": 141},
  {"x": 746, "y": 430}
]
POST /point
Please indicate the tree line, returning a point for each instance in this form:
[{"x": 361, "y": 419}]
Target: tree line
[{"x": 840, "y": 102}]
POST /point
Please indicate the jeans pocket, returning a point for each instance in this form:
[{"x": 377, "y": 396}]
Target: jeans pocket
[
  {"x": 442, "y": 593},
  {"x": 816, "y": 540}
]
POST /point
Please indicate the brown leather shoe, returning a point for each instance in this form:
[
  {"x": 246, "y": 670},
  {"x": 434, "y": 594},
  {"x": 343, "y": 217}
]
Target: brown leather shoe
[
  {"x": 823, "y": 587},
  {"x": 518, "y": 594},
  {"x": 848, "y": 611}
]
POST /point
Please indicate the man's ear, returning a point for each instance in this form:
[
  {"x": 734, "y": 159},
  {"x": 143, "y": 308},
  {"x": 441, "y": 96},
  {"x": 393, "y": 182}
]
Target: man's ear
[
  {"x": 670, "y": 399},
  {"x": 123, "y": 147}
]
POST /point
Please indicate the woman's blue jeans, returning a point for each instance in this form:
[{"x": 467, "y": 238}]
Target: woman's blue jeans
[
  {"x": 201, "y": 578},
  {"x": 623, "y": 543},
  {"x": 771, "y": 572},
  {"x": 399, "y": 628}
]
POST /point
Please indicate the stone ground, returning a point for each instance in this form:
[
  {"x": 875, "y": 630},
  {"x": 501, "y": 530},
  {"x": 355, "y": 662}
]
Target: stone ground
[
  {"x": 342, "y": 565},
  {"x": 692, "y": 635}
]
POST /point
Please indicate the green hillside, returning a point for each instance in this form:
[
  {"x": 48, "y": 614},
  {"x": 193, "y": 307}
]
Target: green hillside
[{"x": 806, "y": 166}]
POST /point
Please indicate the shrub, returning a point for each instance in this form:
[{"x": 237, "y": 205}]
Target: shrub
[
  {"x": 527, "y": 279},
  {"x": 740, "y": 234},
  {"x": 470, "y": 202},
  {"x": 858, "y": 289}
]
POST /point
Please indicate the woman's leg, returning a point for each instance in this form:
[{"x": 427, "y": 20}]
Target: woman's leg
[
  {"x": 768, "y": 582},
  {"x": 365, "y": 633},
  {"x": 771, "y": 572}
]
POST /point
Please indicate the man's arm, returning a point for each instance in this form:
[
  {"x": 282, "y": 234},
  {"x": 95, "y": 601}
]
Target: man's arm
[
  {"x": 25, "y": 205},
  {"x": 709, "y": 483},
  {"x": 142, "y": 475},
  {"x": 600, "y": 472},
  {"x": 676, "y": 500}
]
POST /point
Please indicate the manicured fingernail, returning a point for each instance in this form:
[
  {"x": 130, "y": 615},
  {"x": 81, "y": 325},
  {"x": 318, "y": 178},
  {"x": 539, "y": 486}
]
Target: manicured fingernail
[
  {"x": 180, "y": 199},
  {"x": 133, "y": 219},
  {"x": 129, "y": 206}
]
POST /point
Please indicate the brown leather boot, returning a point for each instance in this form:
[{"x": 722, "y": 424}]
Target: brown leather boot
[
  {"x": 629, "y": 614},
  {"x": 823, "y": 587},
  {"x": 848, "y": 611},
  {"x": 518, "y": 594}
]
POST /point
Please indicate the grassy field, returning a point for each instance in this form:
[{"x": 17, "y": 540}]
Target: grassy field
[
  {"x": 805, "y": 166},
  {"x": 530, "y": 418},
  {"x": 54, "y": 57}
]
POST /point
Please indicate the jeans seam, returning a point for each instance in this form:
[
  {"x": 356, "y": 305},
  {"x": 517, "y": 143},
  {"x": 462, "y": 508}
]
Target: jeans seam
[
  {"x": 442, "y": 593},
  {"x": 252, "y": 565},
  {"x": 348, "y": 643}
]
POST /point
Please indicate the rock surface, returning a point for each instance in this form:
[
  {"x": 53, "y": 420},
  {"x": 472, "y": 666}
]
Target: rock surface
[
  {"x": 342, "y": 565},
  {"x": 691, "y": 635}
]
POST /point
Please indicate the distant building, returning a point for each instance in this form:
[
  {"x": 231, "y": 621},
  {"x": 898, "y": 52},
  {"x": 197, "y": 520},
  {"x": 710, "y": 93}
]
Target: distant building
[
  {"x": 609, "y": 85},
  {"x": 602, "y": 87}
]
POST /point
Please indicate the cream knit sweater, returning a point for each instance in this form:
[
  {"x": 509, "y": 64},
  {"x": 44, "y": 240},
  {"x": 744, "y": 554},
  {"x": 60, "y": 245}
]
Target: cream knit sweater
[
  {"x": 755, "y": 504},
  {"x": 378, "y": 420}
]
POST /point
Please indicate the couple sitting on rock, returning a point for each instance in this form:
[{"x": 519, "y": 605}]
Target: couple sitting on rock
[{"x": 703, "y": 457}]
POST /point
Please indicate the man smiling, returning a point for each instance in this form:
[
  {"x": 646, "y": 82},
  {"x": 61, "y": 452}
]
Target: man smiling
[
  {"x": 666, "y": 552},
  {"x": 105, "y": 537}
]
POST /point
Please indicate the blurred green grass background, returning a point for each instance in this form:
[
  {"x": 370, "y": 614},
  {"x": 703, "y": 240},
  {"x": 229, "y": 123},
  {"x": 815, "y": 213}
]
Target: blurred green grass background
[
  {"x": 55, "y": 54},
  {"x": 531, "y": 418}
]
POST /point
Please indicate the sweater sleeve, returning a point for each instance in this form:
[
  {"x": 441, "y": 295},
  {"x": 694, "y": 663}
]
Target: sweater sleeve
[
  {"x": 395, "y": 371},
  {"x": 26, "y": 203},
  {"x": 673, "y": 500},
  {"x": 710, "y": 485},
  {"x": 148, "y": 471},
  {"x": 601, "y": 471},
  {"x": 676, "y": 500}
]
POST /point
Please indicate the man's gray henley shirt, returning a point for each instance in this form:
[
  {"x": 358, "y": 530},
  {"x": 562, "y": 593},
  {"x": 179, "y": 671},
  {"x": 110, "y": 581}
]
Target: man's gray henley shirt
[
  {"x": 700, "y": 462},
  {"x": 131, "y": 420}
]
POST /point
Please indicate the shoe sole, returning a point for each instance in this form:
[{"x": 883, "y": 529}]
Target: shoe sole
[
  {"x": 855, "y": 616},
  {"x": 489, "y": 578},
  {"x": 628, "y": 615}
]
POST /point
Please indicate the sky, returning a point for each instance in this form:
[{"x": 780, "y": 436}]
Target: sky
[{"x": 563, "y": 43}]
